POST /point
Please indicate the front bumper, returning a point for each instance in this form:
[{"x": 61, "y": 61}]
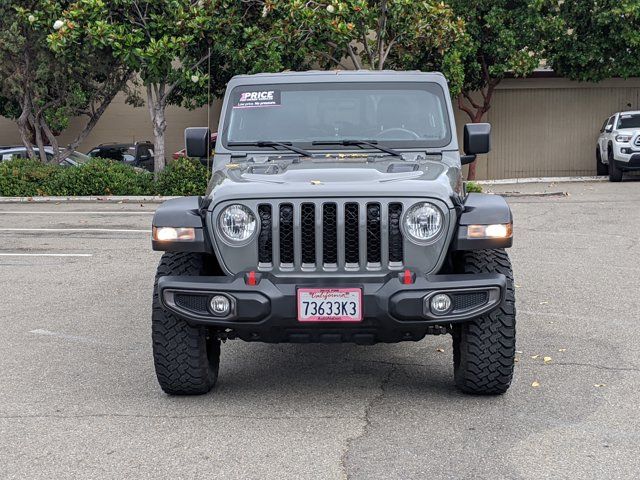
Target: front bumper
[
  {"x": 392, "y": 309},
  {"x": 627, "y": 156}
]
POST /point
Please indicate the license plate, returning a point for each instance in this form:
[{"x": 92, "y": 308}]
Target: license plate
[{"x": 329, "y": 305}]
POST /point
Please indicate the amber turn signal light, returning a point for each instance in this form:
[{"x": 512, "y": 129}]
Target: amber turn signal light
[
  {"x": 499, "y": 230},
  {"x": 174, "y": 234}
]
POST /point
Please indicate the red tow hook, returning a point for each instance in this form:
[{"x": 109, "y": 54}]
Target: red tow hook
[
  {"x": 252, "y": 280},
  {"x": 407, "y": 277}
]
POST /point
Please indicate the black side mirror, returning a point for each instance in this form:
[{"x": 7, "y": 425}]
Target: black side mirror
[
  {"x": 477, "y": 138},
  {"x": 197, "y": 142}
]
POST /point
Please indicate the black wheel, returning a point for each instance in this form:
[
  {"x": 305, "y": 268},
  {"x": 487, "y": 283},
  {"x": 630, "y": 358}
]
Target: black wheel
[
  {"x": 484, "y": 349},
  {"x": 615, "y": 174},
  {"x": 601, "y": 168},
  {"x": 186, "y": 358}
]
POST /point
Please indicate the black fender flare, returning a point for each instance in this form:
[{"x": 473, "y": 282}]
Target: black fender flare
[
  {"x": 182, "y": 212},
  {"x": 482, "y": 209}
]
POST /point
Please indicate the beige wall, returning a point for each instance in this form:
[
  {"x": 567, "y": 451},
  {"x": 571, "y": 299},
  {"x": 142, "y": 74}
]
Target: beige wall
[
  {"x": 123, "y": 123},
  {"x": 541, "y": 126},
  {"x": 549, "y": 126}
]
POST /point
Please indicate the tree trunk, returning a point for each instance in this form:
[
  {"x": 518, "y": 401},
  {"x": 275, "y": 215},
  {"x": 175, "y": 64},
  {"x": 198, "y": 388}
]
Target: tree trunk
[
  {"x": 96, "y": 114},
  {"x": 23, "y": 126},
  {"x": 476, "y": 112},
  {"x": 33, "y": 121},
  {"x": 157, "y": 103}
]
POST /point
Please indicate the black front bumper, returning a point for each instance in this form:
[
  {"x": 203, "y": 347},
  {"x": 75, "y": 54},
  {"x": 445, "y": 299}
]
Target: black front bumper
[
  {"x": 393, "y": 310},
  {"x": 632, "y": 165}
]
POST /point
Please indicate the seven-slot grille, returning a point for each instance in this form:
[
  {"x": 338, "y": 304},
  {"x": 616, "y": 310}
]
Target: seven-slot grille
[{"x": 330, "y": 235}]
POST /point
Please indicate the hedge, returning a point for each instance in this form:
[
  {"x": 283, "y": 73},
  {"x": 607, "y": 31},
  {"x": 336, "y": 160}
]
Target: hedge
[{"x": 27, "y": 178}]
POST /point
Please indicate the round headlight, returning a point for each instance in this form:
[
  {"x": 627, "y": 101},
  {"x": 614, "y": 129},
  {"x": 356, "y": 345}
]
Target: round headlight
[
  {"x": 237, "y": 223},
  {"x": 423, "y": 222}
]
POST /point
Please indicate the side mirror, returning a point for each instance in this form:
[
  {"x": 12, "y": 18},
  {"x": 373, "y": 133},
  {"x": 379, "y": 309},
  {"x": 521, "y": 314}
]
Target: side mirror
[
  {"x": 609, "y": 129},
  {"x": 477, "y": 138},
  {"x": 197, "y": 142}
]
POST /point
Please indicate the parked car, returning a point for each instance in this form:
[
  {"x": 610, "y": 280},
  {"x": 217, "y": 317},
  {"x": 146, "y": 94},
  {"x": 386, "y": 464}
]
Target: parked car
[
  {"x": 618, "y": 148},
  {"x": 73, "y": 160},
  {"x": 138, "y": 154},
  {"x": 336, "y": 213},
  {"x": 183, "y": 153}
]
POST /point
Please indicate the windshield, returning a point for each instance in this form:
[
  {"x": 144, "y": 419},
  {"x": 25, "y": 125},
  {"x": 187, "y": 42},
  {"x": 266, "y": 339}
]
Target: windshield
[
  {"x": 629, "y": 121},
  {"x": 401, "y": 115},
  {"x": 79, "y": 157}
]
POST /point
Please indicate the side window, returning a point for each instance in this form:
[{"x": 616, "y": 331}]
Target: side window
[
  {"x": 144, "y": 152},
  {"x": 604, "y": 125},
  {"x": 610, "y": 122}
]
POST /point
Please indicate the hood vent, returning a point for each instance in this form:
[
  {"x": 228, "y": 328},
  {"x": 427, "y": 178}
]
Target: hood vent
[{"x": 403, "y": 167}]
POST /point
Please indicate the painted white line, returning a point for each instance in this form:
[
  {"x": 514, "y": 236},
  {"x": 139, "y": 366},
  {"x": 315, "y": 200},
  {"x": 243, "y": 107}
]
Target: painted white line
[
  {"x": 508, "y": 181},
  {"x": 58, "y": 230},
  {"x": 104, "y": 212},
  {"x": 64, "y": 336},
  {"x": 90, "y": 199},
  {"x": 46, "y": 255}
]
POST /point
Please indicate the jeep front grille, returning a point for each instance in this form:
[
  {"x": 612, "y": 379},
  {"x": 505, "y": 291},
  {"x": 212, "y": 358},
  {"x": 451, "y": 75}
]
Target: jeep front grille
[{"x": 330, "y": 235}]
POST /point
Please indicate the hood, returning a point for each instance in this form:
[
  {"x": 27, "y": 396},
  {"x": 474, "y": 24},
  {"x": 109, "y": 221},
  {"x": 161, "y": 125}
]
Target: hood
[{"x": 333, "y": 176}]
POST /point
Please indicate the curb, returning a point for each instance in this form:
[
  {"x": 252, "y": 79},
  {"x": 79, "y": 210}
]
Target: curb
[
  {"x": 537, "y": 194},
  {"x": 509, "y": 181},
  {"x": 105, "y": 199}
]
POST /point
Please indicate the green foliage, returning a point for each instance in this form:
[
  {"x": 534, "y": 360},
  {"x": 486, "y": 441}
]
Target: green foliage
[
  {"x": 183, "y": 177},
  {"x": 592, "y": 40},
  {"x": 99, "y": 177},
  {"x": 43, "y": 90},
  {"x": 473, "y": 187},
  {"x": 374, "y": 34},
  {"x": 26, "y": 178},
  {"x": 505, "y": 37}
]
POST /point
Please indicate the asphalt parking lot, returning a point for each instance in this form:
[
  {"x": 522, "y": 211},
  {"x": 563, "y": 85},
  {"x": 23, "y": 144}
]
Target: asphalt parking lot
[{"x": 79, "y": 399}]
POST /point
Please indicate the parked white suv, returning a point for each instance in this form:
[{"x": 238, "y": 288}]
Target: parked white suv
[{"x": 618, "y": 147}]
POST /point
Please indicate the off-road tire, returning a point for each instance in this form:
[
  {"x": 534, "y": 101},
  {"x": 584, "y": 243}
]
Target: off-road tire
[
  {"x": 601, "y": 168},
  {"x": 186, "y": 358},
  {"x": 484, "y": 349},
  {"x": 615, "y": 174}
]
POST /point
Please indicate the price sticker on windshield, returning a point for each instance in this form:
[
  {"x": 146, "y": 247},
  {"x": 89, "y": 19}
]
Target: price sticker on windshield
[{"x": 257, "y": 99}]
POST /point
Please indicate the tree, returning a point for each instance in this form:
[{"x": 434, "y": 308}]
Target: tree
[
  {"x": 505, "y": 38},
  {"x": 593, "y": 40},
  {"x": 42, "y": 91},
  {"x": 374, "y": 34},
  {"x": 169, "y": 44}
]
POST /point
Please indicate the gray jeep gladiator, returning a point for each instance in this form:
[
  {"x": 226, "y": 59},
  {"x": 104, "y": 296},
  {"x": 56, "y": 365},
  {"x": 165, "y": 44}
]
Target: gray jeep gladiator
[{"x": 335, "y": 212}]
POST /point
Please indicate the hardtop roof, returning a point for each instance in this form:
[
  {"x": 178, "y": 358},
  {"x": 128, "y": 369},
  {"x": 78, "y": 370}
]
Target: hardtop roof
[{"x": 341, "y": 76}]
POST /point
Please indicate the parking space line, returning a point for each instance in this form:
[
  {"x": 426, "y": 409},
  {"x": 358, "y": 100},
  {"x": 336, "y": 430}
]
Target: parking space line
[
  {"x": 48, "y": 212},
  {"x": 114, "y": 230},
  {"x": 46, "y": 255},
  {"x": 40, "y": 331}
]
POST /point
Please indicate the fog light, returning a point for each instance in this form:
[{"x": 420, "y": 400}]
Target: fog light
[
  {"x": 440, "y": 303},
  {"x": 220, "y": 306}
]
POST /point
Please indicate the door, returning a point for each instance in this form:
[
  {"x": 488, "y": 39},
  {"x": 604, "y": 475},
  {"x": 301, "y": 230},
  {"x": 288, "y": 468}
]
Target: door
[
  {"x": 606, "y": 136},
  {"x": 145, "y": 157}
]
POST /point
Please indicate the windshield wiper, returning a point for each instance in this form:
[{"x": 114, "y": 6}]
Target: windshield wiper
[
  {"x": 268, "y": 143},
  {"x": 359, "y": 143}
]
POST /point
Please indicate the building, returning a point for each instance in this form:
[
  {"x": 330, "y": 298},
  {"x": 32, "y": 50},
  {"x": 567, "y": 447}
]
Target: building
[{"x": 542, "y": 126}]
